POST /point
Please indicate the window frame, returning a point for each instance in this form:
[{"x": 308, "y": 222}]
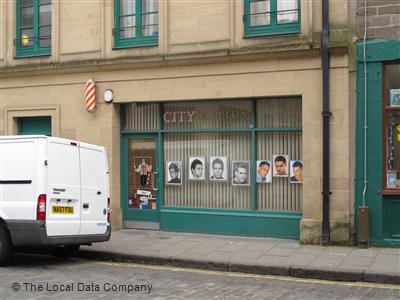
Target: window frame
[
  {"x": 273, "y": 28},
  {"x": 35, "y": 50},
  {"x": 386, "y": 108},
  {"x": 139, "y": 40}
]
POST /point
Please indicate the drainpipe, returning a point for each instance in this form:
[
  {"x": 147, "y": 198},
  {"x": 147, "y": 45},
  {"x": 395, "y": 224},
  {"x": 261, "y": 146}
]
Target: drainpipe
[
  {"x": 363, "y": 222},
  {"x": 325, "y": 124}
]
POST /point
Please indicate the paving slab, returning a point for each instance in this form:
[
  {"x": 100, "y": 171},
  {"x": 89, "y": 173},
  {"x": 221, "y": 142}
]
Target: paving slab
[{"x": 249, "y": 254}]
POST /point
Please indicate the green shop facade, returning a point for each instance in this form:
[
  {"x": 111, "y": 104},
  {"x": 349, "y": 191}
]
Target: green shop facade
[
  {"x": 377, "y": 182},
  {"x": 213, "y": 166}
]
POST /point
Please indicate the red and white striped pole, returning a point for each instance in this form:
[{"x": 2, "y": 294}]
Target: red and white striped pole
[{"x": 90, "y": 92}]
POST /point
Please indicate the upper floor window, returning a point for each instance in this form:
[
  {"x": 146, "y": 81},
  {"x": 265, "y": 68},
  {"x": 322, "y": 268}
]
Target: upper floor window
[
  {"x": 271, "y": 17},
  {"x": 33, "y": 34},
  {"x": 136, "y": 23}
]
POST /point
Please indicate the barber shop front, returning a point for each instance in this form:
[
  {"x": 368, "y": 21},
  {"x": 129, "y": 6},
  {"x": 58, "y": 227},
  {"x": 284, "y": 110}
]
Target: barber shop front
[{"x": 215, "y": 166}]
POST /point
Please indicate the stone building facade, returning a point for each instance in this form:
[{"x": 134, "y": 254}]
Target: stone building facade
[{"x": 242, "y": 57}]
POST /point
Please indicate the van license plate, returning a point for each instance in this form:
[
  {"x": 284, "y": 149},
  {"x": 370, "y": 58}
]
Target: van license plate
[{"x": 63, "y": 209}]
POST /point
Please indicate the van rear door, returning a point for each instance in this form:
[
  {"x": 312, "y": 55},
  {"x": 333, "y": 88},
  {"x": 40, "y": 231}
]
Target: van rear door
[
  {"x": 63, "y": 188},
  {"x": 94, "y": 189}
]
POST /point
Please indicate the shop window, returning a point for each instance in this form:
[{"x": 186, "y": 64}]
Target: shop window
[
  {"x": 283, "y": 147},
  {"x": 33, "y": 22},
  {"x": 225, "y": 135},
  {"x": 239, "y": 154},
  {"x": 230, "y": 148},
  {"x": 271, "y": 17},
  {"x": 136, "y": 23},
  {"x": 391, "y": 119}
]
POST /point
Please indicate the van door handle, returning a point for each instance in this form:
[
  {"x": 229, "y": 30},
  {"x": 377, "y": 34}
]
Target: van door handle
[
  {"x": 98, "y": 193},
  {"x": 85, "y": 205}
]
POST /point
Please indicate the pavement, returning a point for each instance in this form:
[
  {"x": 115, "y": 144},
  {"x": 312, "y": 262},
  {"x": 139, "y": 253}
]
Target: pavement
[{"x": 256, "y": 255}]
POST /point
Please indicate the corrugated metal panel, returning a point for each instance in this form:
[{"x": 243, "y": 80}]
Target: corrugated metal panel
[
  {"x": 279, "y": 113},
  {"x": 141, "y": 117}
]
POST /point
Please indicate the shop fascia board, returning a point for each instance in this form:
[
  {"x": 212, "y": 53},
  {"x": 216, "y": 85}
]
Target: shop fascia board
[{"x": 156, "y": 61}]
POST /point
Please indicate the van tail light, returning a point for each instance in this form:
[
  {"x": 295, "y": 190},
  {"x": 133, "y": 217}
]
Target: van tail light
[
  {"x": 108, "y": 210},
  {"x": 41, "y": 208}
]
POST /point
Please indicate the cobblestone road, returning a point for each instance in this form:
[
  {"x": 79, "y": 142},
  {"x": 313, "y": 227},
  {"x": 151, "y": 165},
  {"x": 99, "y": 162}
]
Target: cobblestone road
[{"x": 43, "y": 277}]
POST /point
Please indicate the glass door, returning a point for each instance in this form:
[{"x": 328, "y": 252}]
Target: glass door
[{"x": 141, "y": 180}]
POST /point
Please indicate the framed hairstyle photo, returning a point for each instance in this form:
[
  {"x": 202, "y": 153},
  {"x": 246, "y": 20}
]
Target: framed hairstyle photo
[
  {"x": 219, "y": 168},
  {"x": 296, "y": 171},
  {"x": 173, "y": 173},
  {"x": 264, "y": 171},
  {"x": 391, "y": 180},
  {"x": 280, "y": 168},
  {"x": 197, "y": 169},
  {"x": 240, "y": 173}
]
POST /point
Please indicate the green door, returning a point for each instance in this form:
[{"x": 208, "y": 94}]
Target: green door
[
  {"x": 140, "y": 181},
  {"x": 34, "y": 125}
]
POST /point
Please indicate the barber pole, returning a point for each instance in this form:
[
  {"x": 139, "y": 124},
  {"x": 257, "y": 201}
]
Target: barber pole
[{"x": 90, "y": 92}]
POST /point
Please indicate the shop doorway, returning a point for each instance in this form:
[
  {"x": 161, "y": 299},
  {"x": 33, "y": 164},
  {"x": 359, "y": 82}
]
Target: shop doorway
[{"x": 141, "y": 181}]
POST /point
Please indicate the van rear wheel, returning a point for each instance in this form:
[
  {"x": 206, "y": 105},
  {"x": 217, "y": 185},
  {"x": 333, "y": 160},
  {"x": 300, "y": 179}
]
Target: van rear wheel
[{"x": 5, "y": 246}]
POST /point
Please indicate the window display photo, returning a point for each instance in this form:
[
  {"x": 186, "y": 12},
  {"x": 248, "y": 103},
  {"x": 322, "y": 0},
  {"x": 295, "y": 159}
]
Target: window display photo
[
  {"x": 218, "y": 168},
  {"x": 197, "y": 169},
  {"x": 240, "y": 172},
  {"x": 264, "y": 172},
  {"x": 144, "y": 170},
  {"x": 296, "y": 171},
  {"x": 173, "y": 173},
  {"x": 280, "y": 165}
]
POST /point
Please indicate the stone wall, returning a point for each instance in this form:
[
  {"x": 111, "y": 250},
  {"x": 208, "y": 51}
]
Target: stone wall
[{"x": 383, "y": 19}]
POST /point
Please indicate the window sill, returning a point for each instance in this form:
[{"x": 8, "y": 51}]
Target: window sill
[
  {"x": 272, "y": 33},
  {"x": 137, "y": 43},
  {"x": 390, "y": 192},
  {"x": 23, "y": 53}
]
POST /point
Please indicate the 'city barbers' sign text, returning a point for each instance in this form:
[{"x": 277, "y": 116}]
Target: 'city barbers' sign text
[{"x": 191, "y": 116}]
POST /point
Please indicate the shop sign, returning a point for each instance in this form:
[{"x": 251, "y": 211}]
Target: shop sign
[
  {"x": 190, "y": 116},
  {"x": 179, "y": 116}
]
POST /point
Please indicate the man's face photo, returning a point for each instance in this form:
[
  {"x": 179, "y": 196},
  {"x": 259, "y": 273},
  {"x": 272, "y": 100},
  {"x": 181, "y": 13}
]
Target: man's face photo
[
  {"x": 263, "y": 170},
  {"x": 241, "y": 174},
  {"x": 218, "y": 168},
  {"x": 198, "y": 171},
  {"x": 280, "y": 165},
  {"x": 296, "y": 171},
  {"x": 196, "y": 165},
  {"x": 172, "y": 172}
]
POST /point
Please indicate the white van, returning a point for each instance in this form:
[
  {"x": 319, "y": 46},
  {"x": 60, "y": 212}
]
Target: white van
[{"x": 53, "y": 192}]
